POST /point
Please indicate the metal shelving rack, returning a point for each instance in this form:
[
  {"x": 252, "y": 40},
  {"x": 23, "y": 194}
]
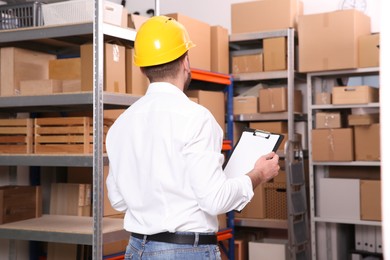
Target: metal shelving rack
[
  {"x": 247, "y": 41},
  {"x": 93, "y": 230},
  {"x": 319, "y": 170}
]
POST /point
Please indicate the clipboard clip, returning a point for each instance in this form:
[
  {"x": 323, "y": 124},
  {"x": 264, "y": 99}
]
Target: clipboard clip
[{"x": 262, "y": 133}]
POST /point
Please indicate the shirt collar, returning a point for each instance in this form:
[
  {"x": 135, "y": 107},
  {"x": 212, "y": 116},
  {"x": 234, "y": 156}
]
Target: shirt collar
[{"x": 164, "y": 87}]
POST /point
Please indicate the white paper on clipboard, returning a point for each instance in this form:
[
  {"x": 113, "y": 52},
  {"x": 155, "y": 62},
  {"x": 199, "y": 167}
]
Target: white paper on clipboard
[{"x": 251, "y": 145}]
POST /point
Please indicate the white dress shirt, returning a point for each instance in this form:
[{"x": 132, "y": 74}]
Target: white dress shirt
[{"x": 166, "y": 166}]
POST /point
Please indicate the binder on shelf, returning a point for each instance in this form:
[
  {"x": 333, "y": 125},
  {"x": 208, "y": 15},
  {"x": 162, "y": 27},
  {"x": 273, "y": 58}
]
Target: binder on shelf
[{"x": 252, "y": 144}]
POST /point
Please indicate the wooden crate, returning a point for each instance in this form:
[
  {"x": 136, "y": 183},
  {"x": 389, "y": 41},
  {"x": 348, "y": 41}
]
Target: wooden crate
[
  {"x": 16, "y": 136},
  {"x": 67, "y": 135},
  {"x": 20, "y": 203}
]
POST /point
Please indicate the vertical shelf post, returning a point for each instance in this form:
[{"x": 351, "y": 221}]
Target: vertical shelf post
[{"x": 98, "y": 76}]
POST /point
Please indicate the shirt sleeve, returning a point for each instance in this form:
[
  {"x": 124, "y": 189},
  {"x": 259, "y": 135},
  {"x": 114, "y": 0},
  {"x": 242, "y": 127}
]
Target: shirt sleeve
[
  {"x": 114, "y": 196},
  {"x": 216, "y": 194}
]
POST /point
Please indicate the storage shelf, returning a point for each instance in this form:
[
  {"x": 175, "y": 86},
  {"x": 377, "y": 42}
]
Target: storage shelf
[
  {"x": 63, "y": 229},
  {"x": 346, "y": 73},
  {"x": 267, "y": 117},
  {"x": 348, "y": 221},
  {"x": 368, "y": 105},
  {"x": 211, "y": 77},
  {"x": 239, "y": 37},
  {"x": 63, "y": 102},
  {"x": 70, "y": 30},
  {"x": 261, "y": 223},
  {"x": 59, "y": 160},
  {"x": 352, "y": 163}
]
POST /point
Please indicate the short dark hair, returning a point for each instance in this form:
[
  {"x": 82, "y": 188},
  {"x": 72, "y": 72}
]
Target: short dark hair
[{"x": 163, "y": 71}]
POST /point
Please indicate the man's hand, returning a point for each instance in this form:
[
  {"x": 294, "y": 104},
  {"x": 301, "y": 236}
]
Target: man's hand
[{"x": 265, "y": 168}]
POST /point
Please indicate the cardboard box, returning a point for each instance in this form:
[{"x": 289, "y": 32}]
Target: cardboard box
[
  {"x": 369, "y": 50},
  {"x": 323, "y": 98},
  {"x": 136, "y": 82},
  {"x": 265, "y": 249},
  {"x": 363, "y": 119},
  {"x": 40, "y": 87},
  {"x": 20, "y": 203},
  {"x": 265, "y": 15},
  {"x": 199, "y": 32},
  {"x": 20, "y": 64},
  {"x": 275, "y": 200},
  {"x": 255, "y": 209},
  {"x": 114, "y": 14},
  {"x": 367, "y": 142},
  {"x": 71, "y": 85},
  {"x": 214, "y": 101},
  {"x": 354, "y": 95},
  {"x": 275, "y": 53},
  {"x": 281, "y": 177},
  {"x": 114, "y": 68},
  {"x": 370, "y": 200},
  {"x": 135, "y": 21},
  {"x": 245, "y": 105},
  {"x": 338, "y": 198},
  {"x": 275, "y": 100},
  {"x": 247, "y": 63},
  {"x": 219, "y": 49},
  {"x": 65, "y": 69},
  {"x": 332, "y": 144},
  {"x": 273, "y": 127},
  {"x": 329, "y": 41},
  {"x": 328, "y": 120}
]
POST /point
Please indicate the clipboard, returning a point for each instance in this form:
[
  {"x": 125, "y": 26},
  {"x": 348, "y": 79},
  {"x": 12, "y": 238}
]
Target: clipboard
[{"x": 252, "y": 144}]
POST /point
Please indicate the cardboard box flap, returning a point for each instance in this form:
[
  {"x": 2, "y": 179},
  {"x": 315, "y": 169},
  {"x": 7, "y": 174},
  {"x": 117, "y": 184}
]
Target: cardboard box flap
[{"x": 135, "y": 21}]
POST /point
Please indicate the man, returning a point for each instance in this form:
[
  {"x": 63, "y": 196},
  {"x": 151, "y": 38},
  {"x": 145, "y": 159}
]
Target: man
[{"x": 165, "y": 157}]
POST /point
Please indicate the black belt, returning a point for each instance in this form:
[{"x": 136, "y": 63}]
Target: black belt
[{"x": 175, "y": 238}]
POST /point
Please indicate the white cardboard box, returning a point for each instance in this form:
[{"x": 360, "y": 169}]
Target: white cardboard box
[
  {"x": 266, "y": 249},
  {"x": 339, "y": 198}
]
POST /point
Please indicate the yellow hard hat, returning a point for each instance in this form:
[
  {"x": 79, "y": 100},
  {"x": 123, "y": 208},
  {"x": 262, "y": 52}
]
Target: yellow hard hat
[{"x": 159, "y": 40}]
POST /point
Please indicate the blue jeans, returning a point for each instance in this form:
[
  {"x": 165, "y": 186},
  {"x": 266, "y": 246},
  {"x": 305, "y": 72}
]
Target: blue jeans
[{"x": 148, "y": 250}]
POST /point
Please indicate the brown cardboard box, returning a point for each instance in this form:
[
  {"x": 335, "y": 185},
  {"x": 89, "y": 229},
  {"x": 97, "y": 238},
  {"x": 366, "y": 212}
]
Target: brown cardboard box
[
  {"x": 247, "y": 63},
  {"x": 219, "y": 49},
  {"x": 370, "y": 200},
  {"x": 328, "y": 120},
  {"x": 256, "y": 207},
  {"x": 135, "y": 21},
  {"x": 214, "y": 101},
  {"x": 114, "y": 68},
  {"x": 40, "y": 87},
  {"x": 65, "y": 69},
  {"x": 265, "y": 15},
  {"x": 332, "y": 144},
  {"x": 136, "y": 82},
  {"x": 275, "y": 53},
  {"x": 329, "y": 41},
  {"x": 238, "y": 128},
  {"x": 367, "y": 142},
  {"x": 20, "y": 64},
  {"x": 273, "y": 127},
  {"x": 323, "y": 98},
  {"x": 354, "y": 95},
  {"x": 275, "y": 100},
  {"x": 275, "y": 200},
  {"x": 199, "y": 32},
  {"x": 352, "y": 172},
  {"x": 245, "y": 105},
  {"x": 369, "y": 51},
  {"x": 364, "y": 119}
]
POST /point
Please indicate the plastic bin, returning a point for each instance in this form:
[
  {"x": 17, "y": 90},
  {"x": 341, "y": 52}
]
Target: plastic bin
[
  {"x": 14, "y": 16},
  {"x": 68, "y": 12}
]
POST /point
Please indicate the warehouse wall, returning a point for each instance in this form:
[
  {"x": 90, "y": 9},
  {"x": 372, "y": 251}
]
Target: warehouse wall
[{"x": 217, "y": 12}]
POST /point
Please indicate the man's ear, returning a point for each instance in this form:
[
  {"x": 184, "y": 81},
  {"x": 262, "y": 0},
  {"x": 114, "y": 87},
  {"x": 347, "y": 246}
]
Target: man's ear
[{"x": 186, "y": 62}]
